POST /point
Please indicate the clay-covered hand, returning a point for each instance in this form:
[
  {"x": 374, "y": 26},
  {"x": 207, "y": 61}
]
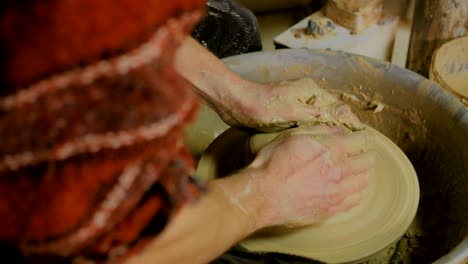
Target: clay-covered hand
[
  {"x": 276, "y": 106},
  {"x": 300, "y": 180}
]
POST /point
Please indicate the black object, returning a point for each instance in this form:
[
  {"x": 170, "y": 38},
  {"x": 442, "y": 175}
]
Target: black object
[{"x": 228, "y": 29}]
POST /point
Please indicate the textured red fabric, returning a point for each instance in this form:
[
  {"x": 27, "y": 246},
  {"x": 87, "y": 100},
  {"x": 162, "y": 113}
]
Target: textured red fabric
[
  {"x": 144, "y": 97},
  {"x": 46, "y": 36},
  {"x": 172, "y": 190},
  {"x": 80, "y": 160}
]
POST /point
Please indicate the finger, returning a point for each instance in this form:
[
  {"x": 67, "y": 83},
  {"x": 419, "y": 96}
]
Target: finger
[
  {"x": 312, "y": 132},
  {"x": 344, "y": 115},
  {"x": 262, "y": 139},
  {"x": 352, "y": 122},
  {"x": 317, "y": 130},
  {"x": 349, "y": 144},
  {"x": 357, "y": 142},
  {"x": 358, "y": 163},
  {"x": 348, "y": 203},
  {"x": 303, "y": 145},
  {"x": 350, "y": 185},
  {"x": 294, "y": 148},
  {"x": 341, "y": 147},
  {"x": 330, "y": 171},
  {"x": 264, "y": 153}
]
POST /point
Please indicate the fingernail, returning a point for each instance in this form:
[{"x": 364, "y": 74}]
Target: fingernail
[{"x": 335, "y": 174}]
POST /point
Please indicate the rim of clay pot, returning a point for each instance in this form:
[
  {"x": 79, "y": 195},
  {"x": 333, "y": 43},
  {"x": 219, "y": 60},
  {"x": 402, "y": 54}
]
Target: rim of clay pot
[{"x": 451, "y": 57}]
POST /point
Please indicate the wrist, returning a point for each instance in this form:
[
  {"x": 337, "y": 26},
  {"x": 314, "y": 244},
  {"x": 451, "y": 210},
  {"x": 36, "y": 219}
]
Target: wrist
[
  {"x": 240, "y": 195},
  {"x": 244, "y": 100}
]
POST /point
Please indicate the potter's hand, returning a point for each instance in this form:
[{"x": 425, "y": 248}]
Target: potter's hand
[
  {"x": 295, "y": 180},
  {"x": 300, "y": 180},
  {"x": 276, "y": 106},
  {"x": 264, "y": 107}
]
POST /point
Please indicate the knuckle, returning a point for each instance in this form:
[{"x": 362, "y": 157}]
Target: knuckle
[
  {"x": 335, "y": 198},
  {"x": 359, "y": 185},
  {"x": 330, "y": 211}
]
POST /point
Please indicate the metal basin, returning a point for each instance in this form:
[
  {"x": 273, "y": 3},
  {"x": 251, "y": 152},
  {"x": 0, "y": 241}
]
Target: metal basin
[{"x": 425, "y": 121}]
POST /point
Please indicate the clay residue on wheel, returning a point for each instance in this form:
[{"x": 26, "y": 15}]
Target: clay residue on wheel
[
  {"x": 438, "y": 225},
  {"x": 422, "y": 119}
]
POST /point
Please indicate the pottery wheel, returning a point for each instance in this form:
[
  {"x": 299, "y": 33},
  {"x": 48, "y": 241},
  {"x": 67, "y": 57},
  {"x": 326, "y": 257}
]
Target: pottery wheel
[{"x": 385, "y": 213}]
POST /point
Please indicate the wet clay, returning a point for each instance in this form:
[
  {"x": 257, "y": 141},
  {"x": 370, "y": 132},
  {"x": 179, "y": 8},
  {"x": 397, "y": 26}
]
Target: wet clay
[{"x": 323, "y": 107}]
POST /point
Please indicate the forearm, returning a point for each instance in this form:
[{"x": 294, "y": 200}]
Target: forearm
[
  {"x": 204, "y": 230},
  {"x": 215, "y": 82}
]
